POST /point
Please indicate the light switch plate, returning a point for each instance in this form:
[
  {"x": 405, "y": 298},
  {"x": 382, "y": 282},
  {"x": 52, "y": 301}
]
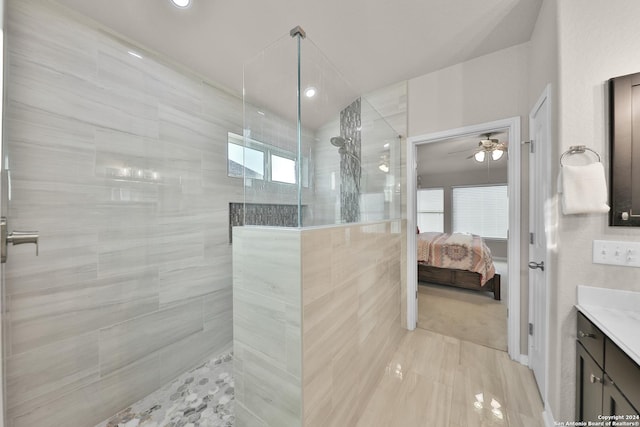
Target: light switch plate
[{"x": 616, "y": 253}]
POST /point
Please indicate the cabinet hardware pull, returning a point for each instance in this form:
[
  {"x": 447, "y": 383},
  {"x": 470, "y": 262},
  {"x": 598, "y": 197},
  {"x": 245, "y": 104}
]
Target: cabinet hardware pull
[
  {"x": 583, "y": 335},
  {"x": 595, "y": 379}
]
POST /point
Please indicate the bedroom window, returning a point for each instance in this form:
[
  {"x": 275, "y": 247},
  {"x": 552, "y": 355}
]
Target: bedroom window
[
  {"x": 481, "y": 210},
  {"x": 431, "y": 209}
]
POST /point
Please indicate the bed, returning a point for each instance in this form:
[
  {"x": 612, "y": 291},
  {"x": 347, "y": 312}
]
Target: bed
[{"x": 458, "y": 259}]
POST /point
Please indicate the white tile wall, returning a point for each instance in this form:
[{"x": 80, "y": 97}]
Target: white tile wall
[{"x": 133, "y": 282}]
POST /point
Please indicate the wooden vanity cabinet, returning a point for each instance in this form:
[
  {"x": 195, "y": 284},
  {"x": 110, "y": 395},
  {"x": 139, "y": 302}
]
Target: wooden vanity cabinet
[
  {"x": 613, "y": 402},
  {"x": 588, "y": 386},
  {"x": 607, "y": 380}
]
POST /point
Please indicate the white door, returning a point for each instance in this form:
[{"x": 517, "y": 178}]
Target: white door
[
  {"x": 2, "y": 205},
  {"x": 540, "y": 135}
]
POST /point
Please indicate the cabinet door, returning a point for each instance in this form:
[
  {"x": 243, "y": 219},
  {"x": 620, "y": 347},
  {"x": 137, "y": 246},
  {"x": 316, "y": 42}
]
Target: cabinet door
[
  {"x": 588, "y": 386},
  {"x": 613, "y": 402},
  {"x": 624, "y": 95}
]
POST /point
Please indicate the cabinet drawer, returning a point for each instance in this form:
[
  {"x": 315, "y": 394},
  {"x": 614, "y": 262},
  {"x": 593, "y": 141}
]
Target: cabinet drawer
[
  {"x": 591, "y": 338},
  {"x": 624, "y": 372}
]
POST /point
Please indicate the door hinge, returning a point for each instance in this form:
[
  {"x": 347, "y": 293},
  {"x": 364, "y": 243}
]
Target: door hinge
[
  {"x": 531, "y": 239},
  {"x": 530, "y": 328},
  {"x": 532, "y": 147}
]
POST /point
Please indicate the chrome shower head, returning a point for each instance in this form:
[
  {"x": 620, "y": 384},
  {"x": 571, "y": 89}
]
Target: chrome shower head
[{"x": 338, "y": 141}]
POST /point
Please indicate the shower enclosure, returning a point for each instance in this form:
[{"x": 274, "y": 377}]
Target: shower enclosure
[
  {"x": 316, "y": 266},
  {"x": 117, "y": 158},
  {"x": 327, "y": 153}
]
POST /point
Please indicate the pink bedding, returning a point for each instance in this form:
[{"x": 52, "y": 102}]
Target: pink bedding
[{"x": 457, "y": 250}]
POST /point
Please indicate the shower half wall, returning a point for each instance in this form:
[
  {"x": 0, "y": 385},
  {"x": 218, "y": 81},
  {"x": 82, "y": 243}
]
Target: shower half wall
[
  {"x": 316, "y": 320},
  {"x": 316, "y": 306},
  {"x": 118, "y": 159}
]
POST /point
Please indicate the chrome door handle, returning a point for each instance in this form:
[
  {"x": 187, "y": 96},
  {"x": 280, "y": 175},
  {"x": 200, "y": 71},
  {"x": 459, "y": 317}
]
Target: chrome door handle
[
  {"x": 21, "y": 237},
  {"x": 15, "y": 238},
  {"x": 533, "y": 265}
]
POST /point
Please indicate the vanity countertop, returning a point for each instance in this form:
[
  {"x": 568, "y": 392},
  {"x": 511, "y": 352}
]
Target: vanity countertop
[{"x": 616, "y": 313}]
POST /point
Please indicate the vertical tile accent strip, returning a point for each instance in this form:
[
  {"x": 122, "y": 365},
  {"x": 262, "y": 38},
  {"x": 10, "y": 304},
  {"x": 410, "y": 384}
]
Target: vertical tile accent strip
[{"x": 350, "y": 167}]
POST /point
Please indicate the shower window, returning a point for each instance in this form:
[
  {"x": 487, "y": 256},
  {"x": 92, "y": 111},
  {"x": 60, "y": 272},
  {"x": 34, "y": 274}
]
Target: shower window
[
  {"x": 242, "y": 159},
  {"x": 283, "y": 169},
  {"x": 252, "y": 159}
]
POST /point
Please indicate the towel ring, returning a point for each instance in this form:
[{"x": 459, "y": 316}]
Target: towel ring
[{"x": 577, "y": 149}]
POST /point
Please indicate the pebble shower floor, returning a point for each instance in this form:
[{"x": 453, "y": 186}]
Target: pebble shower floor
[{"x": 202, "y": 397}]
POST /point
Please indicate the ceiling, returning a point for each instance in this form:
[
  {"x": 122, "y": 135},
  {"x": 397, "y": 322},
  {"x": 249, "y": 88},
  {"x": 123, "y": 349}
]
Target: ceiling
[
  {"x": 452, "y": 156},
  {"x": 372, "y": 44}
]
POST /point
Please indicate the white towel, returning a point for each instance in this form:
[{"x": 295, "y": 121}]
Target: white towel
[{"x": 584, "y": 189}]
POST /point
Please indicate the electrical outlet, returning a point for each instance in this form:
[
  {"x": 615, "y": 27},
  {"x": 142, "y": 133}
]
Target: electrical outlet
[{"x": 616, "y": 253}]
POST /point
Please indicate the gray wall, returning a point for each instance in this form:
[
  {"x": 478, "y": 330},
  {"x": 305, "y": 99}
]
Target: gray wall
[
  {"x": 450, "y": 180},
  {"x": 132, "y": 285}
]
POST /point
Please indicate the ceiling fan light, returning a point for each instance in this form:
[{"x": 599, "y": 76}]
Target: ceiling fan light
[
  {"x": 497, "y": 154},
  {"x": 479, "y": 156},
  {"x": 182, "y": 4}
]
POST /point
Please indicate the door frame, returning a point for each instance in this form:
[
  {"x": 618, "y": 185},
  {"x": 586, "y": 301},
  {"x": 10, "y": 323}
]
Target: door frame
[
  {"x": 545, "y": 186},
  {"x": 512, "y": 125}
]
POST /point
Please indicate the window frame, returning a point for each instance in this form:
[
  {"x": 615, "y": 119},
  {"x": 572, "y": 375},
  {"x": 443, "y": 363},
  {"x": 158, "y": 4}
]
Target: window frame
[
  {"x": 453, "y": 209},
  {"x": 418, "y": 212},
  {"x": 268, "y": 151}
]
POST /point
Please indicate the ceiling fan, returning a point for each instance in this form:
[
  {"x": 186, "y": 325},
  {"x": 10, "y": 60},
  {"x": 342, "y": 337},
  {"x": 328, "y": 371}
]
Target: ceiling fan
[{"x": 488, "y": 147}]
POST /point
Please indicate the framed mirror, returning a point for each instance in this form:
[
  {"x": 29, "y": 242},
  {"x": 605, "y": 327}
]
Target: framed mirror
[{"x": 624, "y": 137}]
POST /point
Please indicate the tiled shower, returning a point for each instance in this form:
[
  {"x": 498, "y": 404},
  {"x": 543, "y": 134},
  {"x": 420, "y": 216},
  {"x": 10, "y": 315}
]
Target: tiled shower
[
  {"x": 118, "y": 158},
  {"x": 119, "y": 161}
]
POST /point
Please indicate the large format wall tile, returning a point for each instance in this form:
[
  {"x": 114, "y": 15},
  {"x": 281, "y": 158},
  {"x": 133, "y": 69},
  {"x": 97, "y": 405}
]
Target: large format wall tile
[
  {"x": 119, "y": 163},
  {"x": 267, "y": 336},
  {"x": 124, "y": 343},
  {"x": 316, "y": 317},
  {"x": 351, "y": 317}
]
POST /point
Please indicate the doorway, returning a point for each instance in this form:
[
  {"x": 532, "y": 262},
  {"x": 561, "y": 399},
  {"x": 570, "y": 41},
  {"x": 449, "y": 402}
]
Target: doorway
[
  {"x": 463, "y": 223},
  {"x": 512, "y": 128}
]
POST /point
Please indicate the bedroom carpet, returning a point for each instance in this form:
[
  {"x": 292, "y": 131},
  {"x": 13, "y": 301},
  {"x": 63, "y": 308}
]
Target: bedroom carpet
[{"x": 463, "y": 314}]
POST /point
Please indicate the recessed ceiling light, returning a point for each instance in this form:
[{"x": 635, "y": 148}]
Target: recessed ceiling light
[
  {"x": 310, "y": 92},
  {"x": 181, "y": 3}
]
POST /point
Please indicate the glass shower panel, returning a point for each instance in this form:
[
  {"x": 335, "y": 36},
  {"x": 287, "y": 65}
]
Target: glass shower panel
[
  {"x": 380, "y": 186},
  {"x": 329, "y": 156},
  {"x": 271, "y": 128}
]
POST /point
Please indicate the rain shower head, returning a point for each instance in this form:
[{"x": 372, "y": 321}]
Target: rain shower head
[
  {"x": 338, "y": 141},
  {"x": 341, "y": 143}
]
